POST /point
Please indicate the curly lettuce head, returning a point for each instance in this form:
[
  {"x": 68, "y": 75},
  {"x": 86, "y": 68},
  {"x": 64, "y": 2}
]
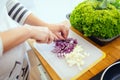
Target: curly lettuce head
[{"x": 92, "y": 21}]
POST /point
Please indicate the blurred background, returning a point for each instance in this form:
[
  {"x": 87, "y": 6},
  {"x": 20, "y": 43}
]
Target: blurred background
[{"x": 53, "y": 11}]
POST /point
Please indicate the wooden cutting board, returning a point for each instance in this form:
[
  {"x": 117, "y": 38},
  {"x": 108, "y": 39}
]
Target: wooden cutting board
[{"x": 60, "y": 66}]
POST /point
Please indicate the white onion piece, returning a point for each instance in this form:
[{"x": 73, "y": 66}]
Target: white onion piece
[{"x": 76, "y": 57}]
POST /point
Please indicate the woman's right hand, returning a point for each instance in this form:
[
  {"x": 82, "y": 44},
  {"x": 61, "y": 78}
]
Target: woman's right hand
[{"x": 41, "y": 34}]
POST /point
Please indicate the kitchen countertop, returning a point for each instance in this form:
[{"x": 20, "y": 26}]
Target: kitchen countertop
[{"x": 112, "y": 51}]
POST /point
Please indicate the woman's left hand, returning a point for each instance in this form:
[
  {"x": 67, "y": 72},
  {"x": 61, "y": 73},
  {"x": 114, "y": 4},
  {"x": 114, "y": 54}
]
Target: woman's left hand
[{"x": 60, "y": 30}]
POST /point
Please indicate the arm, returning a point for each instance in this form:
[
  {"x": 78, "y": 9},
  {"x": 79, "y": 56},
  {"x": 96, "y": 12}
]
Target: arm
[
  {"x": 60, "y": 30},
  {"x": 14, "y": 37},
  {"x": 18, "y": 13}
]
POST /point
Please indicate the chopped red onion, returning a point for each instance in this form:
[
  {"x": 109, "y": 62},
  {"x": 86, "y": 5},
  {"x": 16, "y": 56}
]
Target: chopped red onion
[{"x": 63, "y": 47}]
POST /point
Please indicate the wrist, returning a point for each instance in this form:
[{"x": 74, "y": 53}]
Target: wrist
[{"x": 29, "y": 30}]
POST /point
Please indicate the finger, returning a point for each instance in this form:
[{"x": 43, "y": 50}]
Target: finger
[
  {"x": 55, "y": 37},
  {"x": 64, "y": 30},
  {"x": 59, "y": 36},
  {"x": 65, "y": 33},
  {"x": 46, "y": 40},
  {"x": 51, "y": 38}
]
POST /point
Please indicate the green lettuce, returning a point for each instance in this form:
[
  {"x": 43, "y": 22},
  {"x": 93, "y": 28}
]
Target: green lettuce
[{"x": 90, "y": 18}]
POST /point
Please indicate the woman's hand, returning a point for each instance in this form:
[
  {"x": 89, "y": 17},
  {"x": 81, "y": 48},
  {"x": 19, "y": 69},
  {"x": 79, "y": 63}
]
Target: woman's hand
[
  {"x": 60, "y": 30},
  {"x": 42, "y": 34}
]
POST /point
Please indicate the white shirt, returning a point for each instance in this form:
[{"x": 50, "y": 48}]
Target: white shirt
[{"x": 11, "y": 62}]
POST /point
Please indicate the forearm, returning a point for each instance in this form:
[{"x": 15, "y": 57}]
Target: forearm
[
  {"x": 33, "y": 20},
  {"x": 13, "y": 37}
]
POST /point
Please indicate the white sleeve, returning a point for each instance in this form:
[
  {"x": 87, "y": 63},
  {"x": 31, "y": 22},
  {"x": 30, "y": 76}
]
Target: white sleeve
[
  {"x": 17, "y": 11},
  {"x": 1, "y": 47}
]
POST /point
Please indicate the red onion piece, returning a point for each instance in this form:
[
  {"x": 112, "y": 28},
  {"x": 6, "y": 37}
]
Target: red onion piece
[{"x": 63, "y": 47}]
